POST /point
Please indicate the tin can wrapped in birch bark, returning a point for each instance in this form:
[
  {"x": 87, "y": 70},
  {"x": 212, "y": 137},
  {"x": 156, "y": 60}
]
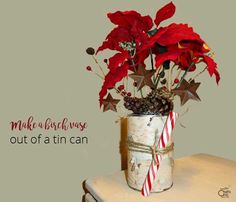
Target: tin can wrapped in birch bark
[{"x": 143, "y": 133}]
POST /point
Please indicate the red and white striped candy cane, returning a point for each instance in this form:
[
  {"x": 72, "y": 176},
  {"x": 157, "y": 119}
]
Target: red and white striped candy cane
[{"x": 163, "y": 142}]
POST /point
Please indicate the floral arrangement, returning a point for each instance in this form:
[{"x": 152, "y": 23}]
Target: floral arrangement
[{"x": 174, "y": 53}]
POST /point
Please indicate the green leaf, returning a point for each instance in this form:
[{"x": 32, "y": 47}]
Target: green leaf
[
  {"x": 152, "y": 32},
  {"x": 166, "y": 64},
  {"x": 160, "y": 48},
  {"x": 162, "y": 74}
]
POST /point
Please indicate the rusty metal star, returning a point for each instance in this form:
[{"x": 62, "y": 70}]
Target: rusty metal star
[
  {"x": 187, "y": 91},
  {"x": 109, "y": 103},
  {"x": 143, "y": 77}
]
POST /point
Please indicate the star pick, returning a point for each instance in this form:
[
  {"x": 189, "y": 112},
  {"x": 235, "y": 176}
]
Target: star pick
[
  {"x": 143, "y": 77},
  {"x": 187, "y": 91},
  {"x": 110, "y": 103}
]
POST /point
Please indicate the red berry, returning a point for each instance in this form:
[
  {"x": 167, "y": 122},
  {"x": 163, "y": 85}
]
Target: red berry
[
  {"x": 176, "y": 80},
  {"x": 121, "y": 87},
  {"x": 129, "y": 94},
  {"x": 89, "y": 68}
]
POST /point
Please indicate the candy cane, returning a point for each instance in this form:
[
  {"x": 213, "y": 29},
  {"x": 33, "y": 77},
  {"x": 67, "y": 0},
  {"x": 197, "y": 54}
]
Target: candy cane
[{"x": 163, "y": 142}]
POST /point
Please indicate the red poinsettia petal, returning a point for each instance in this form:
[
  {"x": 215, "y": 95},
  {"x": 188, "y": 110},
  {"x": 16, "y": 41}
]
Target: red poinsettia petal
[
  {"x": 164, "y": 13},
  {"x": 192, "y": 68},
  {"x": 117, "y": 35},
  {"x": 177, "y": 32},
  {"x": 173, "y": 56},
  {"x": 141, "y": 56},
  {"x": 172, "y": 35},
  {"x": 194, "y": 46},
  {"x": 117, "y": 60},
  {"x": 147, "y": 23},
  {"x": 112, "y": 78},
  {"x": 140, "y": 38},
  {"x": 105, "y": 45},
  {"x": 186, "y": 60},
  {"x": 127, "y": 18},
  {"x": 123, "y": 18},
  {"x": 217, "y": 75},
  {"x": 212, "y": 67}
]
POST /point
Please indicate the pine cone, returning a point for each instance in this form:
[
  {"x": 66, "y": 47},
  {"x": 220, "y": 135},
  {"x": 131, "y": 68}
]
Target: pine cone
[
  {"x": 162, "y": 101},
  {"x": 156, "y": 102}
]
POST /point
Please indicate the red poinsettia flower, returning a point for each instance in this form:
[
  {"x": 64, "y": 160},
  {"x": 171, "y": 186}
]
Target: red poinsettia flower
[
  {"x": 167, "y": 36},
  {"x": 127, "y": 38},
  {"x": 171, "y": 35},
  {"x": 131, "y": 27},
  {"x": 133, "y": 39},
  {"x": 187, "y": 54}
]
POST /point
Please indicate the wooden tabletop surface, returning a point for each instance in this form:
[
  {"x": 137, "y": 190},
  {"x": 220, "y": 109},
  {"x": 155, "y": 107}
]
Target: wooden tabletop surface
[{"x": 197, "y": 178}]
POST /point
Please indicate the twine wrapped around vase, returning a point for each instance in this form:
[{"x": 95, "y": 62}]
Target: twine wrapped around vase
[{"x": 154, "y": 150}]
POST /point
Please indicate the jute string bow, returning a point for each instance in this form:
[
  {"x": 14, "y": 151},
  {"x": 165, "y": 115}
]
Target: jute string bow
[{"x": 154, "y": 150}]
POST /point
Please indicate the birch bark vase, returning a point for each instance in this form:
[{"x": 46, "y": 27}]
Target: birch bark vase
[{"x": 146, "y": 130}]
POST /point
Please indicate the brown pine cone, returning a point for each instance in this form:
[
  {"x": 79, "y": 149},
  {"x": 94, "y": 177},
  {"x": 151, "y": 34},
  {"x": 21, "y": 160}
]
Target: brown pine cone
[{"x": 156, "y": 102}]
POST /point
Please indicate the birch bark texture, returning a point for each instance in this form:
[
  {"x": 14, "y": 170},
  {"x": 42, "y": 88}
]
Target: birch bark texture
[{"x": 147, "y": 130}]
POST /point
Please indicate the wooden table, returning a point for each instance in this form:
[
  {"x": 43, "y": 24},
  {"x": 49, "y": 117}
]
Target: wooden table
[{"x": 197, "y": 178}]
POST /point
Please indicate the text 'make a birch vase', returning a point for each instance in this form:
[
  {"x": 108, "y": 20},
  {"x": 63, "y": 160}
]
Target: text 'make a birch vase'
[{"x": 151, "y": 66}]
